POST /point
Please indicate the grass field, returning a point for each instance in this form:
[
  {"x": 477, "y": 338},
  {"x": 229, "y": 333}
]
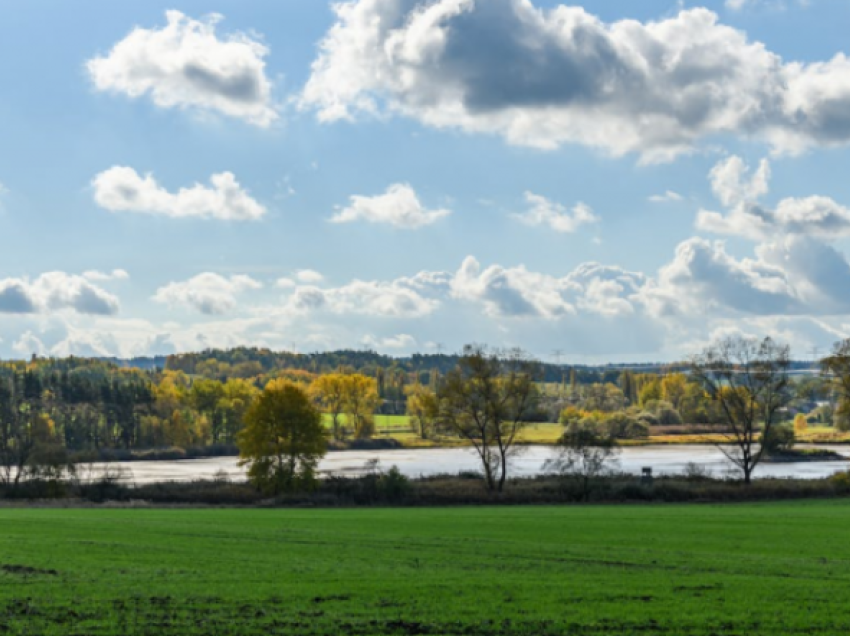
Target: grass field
[{"x": 742, "y": 569}]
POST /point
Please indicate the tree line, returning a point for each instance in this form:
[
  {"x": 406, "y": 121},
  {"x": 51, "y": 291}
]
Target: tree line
[{"x": 487, "y": 397}]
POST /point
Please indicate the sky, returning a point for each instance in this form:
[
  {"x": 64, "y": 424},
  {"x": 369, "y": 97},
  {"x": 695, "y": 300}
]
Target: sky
[{"x": 619, "y": 181}]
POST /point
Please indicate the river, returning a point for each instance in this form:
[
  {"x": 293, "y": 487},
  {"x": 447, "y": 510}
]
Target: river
[{"x": 417, "y": 462}]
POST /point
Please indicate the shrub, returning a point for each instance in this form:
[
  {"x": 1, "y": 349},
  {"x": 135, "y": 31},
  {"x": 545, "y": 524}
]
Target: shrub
[
  {"x": 779, "y": 438},
  {"x": 622, "y": 426},
  {"x": 647, "y": 418},
  {"x": 394, "y": 486},
  {"x": 841, "y": 481}
]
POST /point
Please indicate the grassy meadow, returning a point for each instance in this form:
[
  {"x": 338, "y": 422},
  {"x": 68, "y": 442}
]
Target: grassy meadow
[
  {"x": 398, "y": 427},
  {"x": 736, "y": 569}
]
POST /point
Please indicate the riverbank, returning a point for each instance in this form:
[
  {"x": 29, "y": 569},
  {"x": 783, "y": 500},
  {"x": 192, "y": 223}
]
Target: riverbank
[
  {"x": 534, "y": 435},
  {"x": 391, "y": 488}
]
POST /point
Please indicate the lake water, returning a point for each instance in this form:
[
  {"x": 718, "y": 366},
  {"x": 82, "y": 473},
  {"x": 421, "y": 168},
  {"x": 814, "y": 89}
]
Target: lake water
[{"x": 413, "y": 463}]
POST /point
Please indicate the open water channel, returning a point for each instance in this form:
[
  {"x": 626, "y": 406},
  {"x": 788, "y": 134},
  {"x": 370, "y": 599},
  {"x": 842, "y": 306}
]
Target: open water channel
[{"x": 417, "y": 462}]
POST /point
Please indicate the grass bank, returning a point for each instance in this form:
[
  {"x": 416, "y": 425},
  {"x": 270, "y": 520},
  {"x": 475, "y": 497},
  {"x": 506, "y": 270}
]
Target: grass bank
[{"x": 746, "y": 569}]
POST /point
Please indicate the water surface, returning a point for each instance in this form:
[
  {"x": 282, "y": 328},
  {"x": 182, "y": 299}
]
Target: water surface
[{"x": 419, "y": 462}]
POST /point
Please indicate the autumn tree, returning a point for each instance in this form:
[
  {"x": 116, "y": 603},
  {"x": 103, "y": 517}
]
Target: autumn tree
[
  {"x": 649, "y": 392},
  {"x": 488, "y": 399},
  {"x": 283, "y": 440},
  {"x": 423, "y": 409},
  {"x": 673, "y": 388},
  {"x": 801, "y": 424},
  {"x": 360, "y": 401},
  {"x": 836, "y": 366},
  {"x": 748, "y": 380},
  {"x": 330, "y": 392}
]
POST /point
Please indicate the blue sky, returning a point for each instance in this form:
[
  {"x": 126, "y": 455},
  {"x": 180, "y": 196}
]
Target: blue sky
[{"x": 620, "y": 182}]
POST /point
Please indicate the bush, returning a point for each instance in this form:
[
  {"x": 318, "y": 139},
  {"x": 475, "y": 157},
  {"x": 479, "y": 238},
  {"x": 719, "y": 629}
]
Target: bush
[
  {"x": 841, "y": 481},
  {"x": 779, "y": 439},
  {"x": 622, "y": 426},
  {"x": 394, "y": 486},
  {"x": 647, "y": 418}
]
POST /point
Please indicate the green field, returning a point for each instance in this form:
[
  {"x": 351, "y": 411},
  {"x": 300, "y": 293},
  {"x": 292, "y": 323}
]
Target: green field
[
  {"x": 742, "y": 569},
  {"x": 382, "y": 422}
]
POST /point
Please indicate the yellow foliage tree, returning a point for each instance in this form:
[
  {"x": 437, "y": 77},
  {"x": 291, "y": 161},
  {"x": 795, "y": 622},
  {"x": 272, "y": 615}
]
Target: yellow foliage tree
[
  {"x": 283, "y": 440},
  {"x": 330, "y": 392},
  {"x": 361, "y": 400},
  {"x": 673, "y": 388},
  {"x": 801, "y": 424}
]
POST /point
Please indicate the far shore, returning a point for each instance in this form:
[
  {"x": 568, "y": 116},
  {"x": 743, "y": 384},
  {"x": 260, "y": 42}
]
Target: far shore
[{"x": 534, "y": 435}]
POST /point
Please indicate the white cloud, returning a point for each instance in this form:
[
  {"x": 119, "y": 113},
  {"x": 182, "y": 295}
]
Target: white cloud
[
  {"x": 307, "y": 276},
  {"x": 393, "y": 299},
  {"x": 207, "y": 293},
  {"x": 732, "y": 184},
  {"x": 399, "y": 207},
  {"x": 55, "y": 291},
  {"x": 122, "y": 189},
  {"x": 668, "y": 197},
  {"x": 28, "y": 344},
  {"x": 186, "y": 65},
  {"x": 548, "y": 77},
  {"x": 517, "y": 292},
  {"x": 115, "y": 274},
  {"x": 401, "y": 341},
  {"x": 703, "y": 277},
  {"x": 815, "y": 216},
  {"x": 544, "y": 212}
]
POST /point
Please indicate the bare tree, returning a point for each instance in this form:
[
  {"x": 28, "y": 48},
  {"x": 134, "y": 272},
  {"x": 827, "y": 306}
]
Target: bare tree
[
  {"x": 583, "y": 455},
  {"x": 748, "y": 380},
  {"x": 488, "y": 399}
]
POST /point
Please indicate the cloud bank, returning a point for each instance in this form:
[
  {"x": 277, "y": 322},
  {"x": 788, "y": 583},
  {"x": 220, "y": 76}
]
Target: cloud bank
[{"x": 548, "y": 77}]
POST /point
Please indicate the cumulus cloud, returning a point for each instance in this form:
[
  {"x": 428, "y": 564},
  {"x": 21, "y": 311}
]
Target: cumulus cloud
[
  {"x": 739, "y": 191},
  {"x": 516, "y": 292},
  {"x": 388, "y": 299},
  {"x": 115, "y": 274},
  {"x": 702, "y": 276},
  {"x": 122, "y": 189},
  {"x": 307, "y": 276},
  {"x": 55, "y": 291},
  {"x": 186, "y": 65},
  {"x": 555, "y": 216},
  {"x": 399, "y": 206},
  {"x": 548, "y": 77},
  {"x": 732, "y": 183},
  {"x": 207, "y": 293}
]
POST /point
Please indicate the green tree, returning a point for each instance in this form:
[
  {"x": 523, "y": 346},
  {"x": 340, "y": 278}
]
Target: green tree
[
  {"x": 583, "y": 454},
  {"x": 283, "y": 440},
  {"x": 649, "y": 392}
]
